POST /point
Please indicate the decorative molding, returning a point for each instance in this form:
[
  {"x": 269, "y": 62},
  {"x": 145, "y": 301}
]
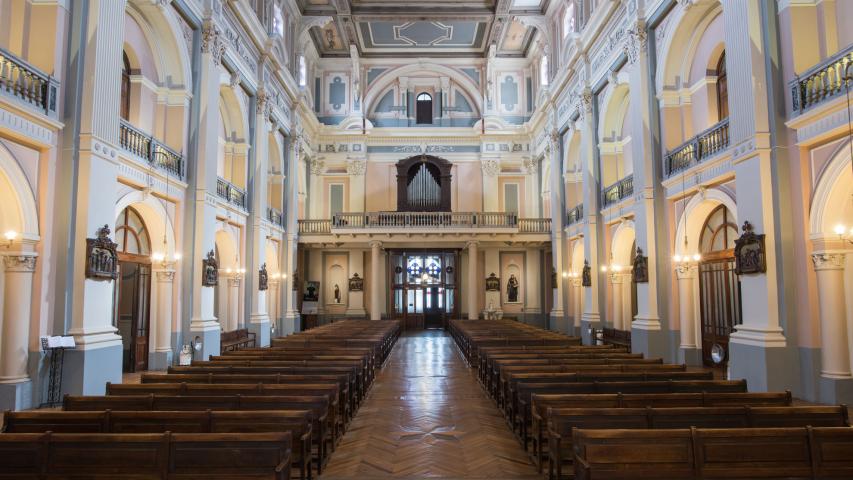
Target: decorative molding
[
  {"x": 491, "y": 166},
  {"x": 828, "y": 261},
  {"x": 356, "y": 168},
  {"x": 635, "y": 41},
  {"x": 750, "y": 254},
  {"x": 211, "y": 41},
  {"x": 101, "y": 256},
  {"x": 165, "y": 276},
  {"x": 318, "y": 166},
  {"x": 20, "y": 262},
  {"x": 531, "y": 166}
]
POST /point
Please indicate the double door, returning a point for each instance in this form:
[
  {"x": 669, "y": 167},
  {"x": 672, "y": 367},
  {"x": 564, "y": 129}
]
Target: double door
[
  {"x": 131, "y": 315},
  {"x": 720, "y": 305},
  {"x": 423, "y": 287},
  {"x": 425, "y": 307}
]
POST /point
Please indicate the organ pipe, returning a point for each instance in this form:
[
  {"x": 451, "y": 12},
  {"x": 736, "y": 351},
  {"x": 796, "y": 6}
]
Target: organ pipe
[{"x": 424, "y": 192}]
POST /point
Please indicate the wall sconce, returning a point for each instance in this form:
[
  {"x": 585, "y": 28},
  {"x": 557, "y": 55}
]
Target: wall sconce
[
  {"x": 844, "y": 234},
  {"x": 10, "y": 237}
]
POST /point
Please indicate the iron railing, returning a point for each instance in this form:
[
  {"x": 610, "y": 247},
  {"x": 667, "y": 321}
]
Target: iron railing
[
  {"x": 231, "y": 193},
  {"x": 431, "y": 220},
  {"x": 28, "y": 84},
  {"x": 275, "y": 216},
  {"x": 575, "y": 215},
  {"x": 698, "y": 148},
  {"x": 618, "y": 191},
  {"x": 142, "y": 145},
  {"x": 822, "y": 82}
]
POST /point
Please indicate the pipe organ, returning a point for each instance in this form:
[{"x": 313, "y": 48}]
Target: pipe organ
[{"x": 423, "y": 190}]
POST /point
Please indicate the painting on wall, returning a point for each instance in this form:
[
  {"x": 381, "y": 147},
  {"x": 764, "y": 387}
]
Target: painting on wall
[{"x": 312, "y": 291}]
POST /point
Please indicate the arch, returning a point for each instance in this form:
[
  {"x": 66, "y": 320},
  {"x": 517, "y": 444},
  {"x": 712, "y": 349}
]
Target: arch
[
  {"x": 680, "y": 43},
  {"x": 830, "y": 203},
  {"x": 696, "y": 212},
  {"x": 572, "y": 160},
  {"x": 272, "y": 257},
  {"x": 18, "y": 210},
  {"x": 227, "y": 247},
  {"x": 155, "y": 216},
  {"x": 233, "y": 113},
  {"x": 616, "y": 108},
  {"x": 576, "y": 265},
  {"x": 724, "y": 229},
  {"x": 164, "y": 36},
  {"x": 622, "y": 244},
  {"x": 384, "y": 81}
]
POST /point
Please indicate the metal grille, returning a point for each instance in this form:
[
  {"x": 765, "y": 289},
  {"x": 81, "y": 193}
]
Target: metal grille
[{"x": 719, "y": 291}]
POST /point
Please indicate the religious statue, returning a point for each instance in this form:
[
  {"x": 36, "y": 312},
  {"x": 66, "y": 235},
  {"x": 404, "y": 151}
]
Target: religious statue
[
  {"x": 356, "y": 283},
  {"x": 493, "y": 283},
  {"x": 337, "y": 294},
  {"x": 101, "y": 256},
  {"x": 586, "y": 276},
  {"x": 263, "y": 278},
  {"x": 749, "y": 252},
  {"x": 209, "y": 270},
  {"x": 640, "y": 272},
  {"x": 512, "y": 289}
]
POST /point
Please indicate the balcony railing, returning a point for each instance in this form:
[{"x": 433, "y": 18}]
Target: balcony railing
[
  {"x": 575, "y": 215},
  {"x": 821, "y": 82},
  {"x": 698, "y": 148},
  {"x": 28, "y": 84},
  {"x": 152, "y": 150},
  {"x": 231, "y": 193},
  {"x": 618, "y": 191},
  {"x": 275, "y": 216},
  {"x": 426, "y": 220}
]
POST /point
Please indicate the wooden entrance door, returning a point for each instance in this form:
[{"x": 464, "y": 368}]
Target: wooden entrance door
[
  {"x": 433, "y": 307},
  {"x": 133, "y": 300}
]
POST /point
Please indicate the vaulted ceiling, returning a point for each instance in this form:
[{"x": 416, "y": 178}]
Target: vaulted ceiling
[{"x": 409, "y": 28}]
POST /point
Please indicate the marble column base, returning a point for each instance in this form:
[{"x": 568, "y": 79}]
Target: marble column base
[
  {"x": 159, "y": 360},
  {"x": 260, "y": 326},
  {"x": 690, "y": 356},
  {"x": 16, "y": 396},
  {"x": 586, "y": 324},
  {"x": 86, "y": 372},
  {"x": 210, "y": 335},
  {"x": 651, "y": 343},
  {"x": 835, "y": 391},
  {"x": 765, "y": 369}
]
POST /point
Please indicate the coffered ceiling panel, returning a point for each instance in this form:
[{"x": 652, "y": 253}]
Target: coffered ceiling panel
[{"x": 422, "y": 36}]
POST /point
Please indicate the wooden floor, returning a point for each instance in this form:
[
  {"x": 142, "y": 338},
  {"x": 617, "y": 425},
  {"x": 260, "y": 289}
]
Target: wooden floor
[{"x": 426, "y": 416}]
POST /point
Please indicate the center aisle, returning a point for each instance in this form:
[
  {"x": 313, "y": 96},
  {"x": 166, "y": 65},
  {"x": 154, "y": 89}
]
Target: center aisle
[{"x": 426, "y": 416}]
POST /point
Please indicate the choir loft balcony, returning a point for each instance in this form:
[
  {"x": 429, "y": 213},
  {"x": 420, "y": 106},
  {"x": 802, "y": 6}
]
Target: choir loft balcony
[
  {"x": 698, "y": 149},
  {"x": 151, "y": 150},
  {"x": 822, "y": 83},
  {"x": 426, "y": 223},
  {"x": 618, "y": 191},
  {"x": 231, "y": 193},
  {"x": 27, "y": 85}
]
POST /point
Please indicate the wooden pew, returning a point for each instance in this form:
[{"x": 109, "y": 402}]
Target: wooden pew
[
  {"x": 173, "y": 456},
  {"x": 297, "y": 422},
  {"x": 235, "y": 339},
  {"x": 562, "y": 421},
  {"x": 317, "y": 405},
  {"x": 789, "y": 453}
]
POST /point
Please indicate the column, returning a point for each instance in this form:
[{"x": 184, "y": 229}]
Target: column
[
  {"x": 292, "y": 286},
  {"x": 376, "y": 262},
  {"x": 161, "y": 325},
  {"x": 533, "y": 287},
  {"x": 557, "y": 320},
  {"x": 472, "y": 286},
  {"x": 577, "y": 303},
  {"x": 259, "y": 318},
  {"x": 97, "y": 359},
  {"x": 493, "y": 265},
  {"x": 202, "y": 192},
  {"x": 490, "y": 165},
  {"x": 15, "y": 385},
  {"x": 836, "y": 383},
  {"x": 758, "y": 349},
  {"x": 591, "y": 229},
  {"x": 647, "y": 335},
  {"x": 616, "y": 297},
  {"x": 233, "y": 321},
  {"x": 355, "y": 303},
  {"x": 273, "y": 306},
  {"x": 690, "y": 353}
]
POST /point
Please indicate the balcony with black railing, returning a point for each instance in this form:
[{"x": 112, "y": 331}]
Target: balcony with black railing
[
  {"x": 575, "y": 215},
  {"x": 150, "y": 149},
  {"x": 694, "y": 151},
  {"x": 27, "y": 84},
  {"x": 618, "y": 191},
  {"x": 824, "y": 81},
  {"x": 231, "y": 193}
]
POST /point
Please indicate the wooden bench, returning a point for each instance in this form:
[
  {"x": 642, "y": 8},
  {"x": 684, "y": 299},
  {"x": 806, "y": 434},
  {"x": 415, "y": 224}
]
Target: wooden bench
[
  {"x": 611, "y": 336},
  {"x": 562, "y": 421},
  {"x": 698, "y": 453},
  {"x": 541, "y": 402},
  {"x": 317, "y": 405},
  {"x": 173, "y": 456},
  {"x": 297, "y": 422},
  {"x": 235, "y": 339}
]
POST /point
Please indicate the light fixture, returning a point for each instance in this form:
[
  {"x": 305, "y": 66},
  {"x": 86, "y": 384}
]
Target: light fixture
[
  {"x": 844, "y": 234},
  {"x": 566, "y": 275},
  {"x": 163, "y": 257},
  {"x": 684, "y": 259},
  {"x": 10, "y": 237}
]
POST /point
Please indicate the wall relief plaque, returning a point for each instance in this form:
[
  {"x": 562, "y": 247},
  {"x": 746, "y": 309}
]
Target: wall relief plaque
[
  {"x": 749, "y": 252},
  {"x": 101, "y": 256}
]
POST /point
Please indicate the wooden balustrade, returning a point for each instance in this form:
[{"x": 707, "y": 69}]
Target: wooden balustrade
[{"x": 27, "y": 83}]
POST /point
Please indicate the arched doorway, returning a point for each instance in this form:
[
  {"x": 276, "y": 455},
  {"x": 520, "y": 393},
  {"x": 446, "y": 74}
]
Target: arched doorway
[
  {"x": 132, "y": 301},
  {"x": 719, "y": 286},
  {"x": 423, "y": 184}
]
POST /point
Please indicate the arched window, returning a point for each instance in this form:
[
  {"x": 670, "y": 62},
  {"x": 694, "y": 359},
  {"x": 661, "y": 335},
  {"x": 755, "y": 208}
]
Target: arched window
[
  {"x": 131, "y": 234},
  {"x": 303, "y": 71},
  {"x": 424, "y": 108},
  {"x": 543, "y": 70},
  {"x": 719, "y": 232},
  {"x": 722, "y": 89},
  {"x": 125, "y": 87}
]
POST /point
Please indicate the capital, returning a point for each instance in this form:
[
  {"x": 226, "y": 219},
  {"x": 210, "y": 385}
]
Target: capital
[
  {"x": 212, "y": 42},
  {"x": 165, "y": 276},
  {"x": 828, "y": 261},
  {"x": 376, "y": 244},
  {"x": 20, "y": 262}
]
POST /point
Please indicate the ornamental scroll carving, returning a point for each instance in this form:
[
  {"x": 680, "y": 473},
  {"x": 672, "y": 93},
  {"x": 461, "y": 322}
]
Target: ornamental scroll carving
[
  {"x": 101, "y": 256},
  {"x": 750, "y": 255},
  {"x": 211, "y": 41},
  {"x": 19, "y": 263}
]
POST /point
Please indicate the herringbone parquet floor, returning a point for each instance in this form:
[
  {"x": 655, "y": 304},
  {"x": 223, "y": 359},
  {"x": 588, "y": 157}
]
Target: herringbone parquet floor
[{"x": 427, "y": 417}]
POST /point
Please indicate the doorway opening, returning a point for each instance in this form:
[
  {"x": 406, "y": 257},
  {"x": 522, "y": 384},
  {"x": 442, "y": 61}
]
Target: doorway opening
[
  {"x": 423, "y": 287},
  {"x": 132, "y": 294}
]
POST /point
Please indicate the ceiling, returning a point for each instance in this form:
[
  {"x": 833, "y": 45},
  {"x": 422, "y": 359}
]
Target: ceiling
[{"x": 436, "y": 28}]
